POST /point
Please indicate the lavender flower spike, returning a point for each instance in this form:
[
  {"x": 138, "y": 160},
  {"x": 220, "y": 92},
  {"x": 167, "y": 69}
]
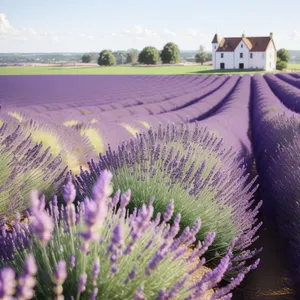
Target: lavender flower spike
[
  {"x": 43, "y": 224},
  {"x": 7, "y": 283},
  {"x": 95, "y": 271},
  {"x": 139, "y": 295},
  {"x": 169, "y": 212},
  {"x": 72, "y": 261},
  {"x": 59, "y": 277},
  {"x": 82, "y": 283},
  {"x": 25, "y": 288},
  {"x": 69, "y": 191}
]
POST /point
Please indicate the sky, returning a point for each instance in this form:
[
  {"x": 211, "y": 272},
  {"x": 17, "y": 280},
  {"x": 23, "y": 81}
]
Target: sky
[{"x": 93, "y": 25}]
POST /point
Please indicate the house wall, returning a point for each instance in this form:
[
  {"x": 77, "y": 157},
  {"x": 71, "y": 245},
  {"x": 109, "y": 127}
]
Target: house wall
[
  {"x": 271, "y": 57},
  {"x": 241, "y": 48},
  {"x": 258, "y": 61},
  {"x": 227, "y": 59},
  {"x": 214, "y": 48}
]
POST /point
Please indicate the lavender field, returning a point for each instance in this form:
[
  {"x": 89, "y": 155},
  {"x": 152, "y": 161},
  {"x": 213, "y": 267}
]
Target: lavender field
[{"x": 150, "y": 187}]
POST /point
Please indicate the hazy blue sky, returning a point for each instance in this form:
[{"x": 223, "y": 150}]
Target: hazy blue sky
[{"x": 91, "y": 25}]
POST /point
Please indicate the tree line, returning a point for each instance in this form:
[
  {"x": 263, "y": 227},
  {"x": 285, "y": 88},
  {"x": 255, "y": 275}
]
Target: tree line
[{"x": 170, "y": 54}]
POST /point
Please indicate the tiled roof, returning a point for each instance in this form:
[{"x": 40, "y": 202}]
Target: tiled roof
[{"x": 254, "y": 44}]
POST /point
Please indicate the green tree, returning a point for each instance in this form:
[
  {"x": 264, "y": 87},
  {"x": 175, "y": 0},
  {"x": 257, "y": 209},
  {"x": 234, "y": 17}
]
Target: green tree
[
  {"x": 170, "y": 54},
  {"x": 132, "y": 56},
  {"x": 201, "y": 56},
  {"x": 281, "y": 65},
  {"x": 86, "y": 58},
  {"x": 106, "y": 58},
  {"x": 149, "y": 56},
  {"x": 283, "y": 55}
]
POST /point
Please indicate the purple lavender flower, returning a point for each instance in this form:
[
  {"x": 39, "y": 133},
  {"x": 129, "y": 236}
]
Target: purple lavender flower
[
  {"x": 139, "y": 294},
  {"x": 95, "y": 271},
  {"x": 72, "y": 260},
  {"x": 42, "y": 225},
  {"x": 69, "y": 191},
  {"x": 94, "y": 294},
  {"x": 82, "y": 283},
  {"x": 27, "y": 281},
  {"x": 169, "y": 212},
  {"x": 60, "y": 274},
  {"x": 7, "y": 283}
]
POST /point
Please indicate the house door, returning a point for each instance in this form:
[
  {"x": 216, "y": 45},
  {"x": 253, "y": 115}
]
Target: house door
[
  {"x": 222, "y": 65},
  {"x": 241, "y": 66}
]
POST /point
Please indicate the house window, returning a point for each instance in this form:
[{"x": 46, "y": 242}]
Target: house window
[
  {"x": 241, "y": 55},
  {"x": 222, "y": 55},
  {"x": 242, "y": 45},
  {"x": 251, "y": 55}
]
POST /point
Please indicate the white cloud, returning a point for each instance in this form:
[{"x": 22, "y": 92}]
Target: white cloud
[
  {"x": 7, "y": 30},
  {"x": 4, "y": 24},
  {"x": 139, "y": 32},
  {"x": 168, "y": 32}
]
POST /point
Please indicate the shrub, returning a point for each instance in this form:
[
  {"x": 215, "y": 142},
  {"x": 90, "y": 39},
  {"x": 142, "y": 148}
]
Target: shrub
[
  {"x": 135, "y": 258},
  {"x": 170, "y": 54},
  {"x": 195, "y": 170},
  {"x": 281, "y": 65},
  {"x": 86, "y": 58},
  {"x": 24, "y": 166},
  {"x": 106, "y": 58},
  {"x": 149, "y": 56},
  {"x": 67, "y": 142}
]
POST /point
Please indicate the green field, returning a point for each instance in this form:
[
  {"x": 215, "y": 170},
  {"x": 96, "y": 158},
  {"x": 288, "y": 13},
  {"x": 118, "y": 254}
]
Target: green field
[{"x": 76, "y": 70}]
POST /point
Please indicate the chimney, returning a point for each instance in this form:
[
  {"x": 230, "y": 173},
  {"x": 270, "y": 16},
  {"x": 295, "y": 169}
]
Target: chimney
[
  {"x": 243, "y": 35},
  {"x": 271, "y": 35}
]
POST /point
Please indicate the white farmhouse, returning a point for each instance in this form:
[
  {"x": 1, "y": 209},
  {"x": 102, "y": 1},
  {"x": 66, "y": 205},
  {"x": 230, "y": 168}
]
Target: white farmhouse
[{"x": 244, "y": 53}]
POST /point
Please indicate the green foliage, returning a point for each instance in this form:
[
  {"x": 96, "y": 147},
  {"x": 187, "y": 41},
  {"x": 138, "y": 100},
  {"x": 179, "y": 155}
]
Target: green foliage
[
  {"x": 106, "y": 58},
  {"x": 281, "y": 65},
  {"x": 86, "y": 58},
  {"x": 149, "y": 56},
  {"x": 283, "y": 55},
  {"x": 25, "y": 166},
  {"x": 170, "y": 54},
  {"x": 165, "y": 274},
  {"x": 201, "y": 56},
  {"x": 132, "y": 56},
  {"x": 158, "y": 166}
]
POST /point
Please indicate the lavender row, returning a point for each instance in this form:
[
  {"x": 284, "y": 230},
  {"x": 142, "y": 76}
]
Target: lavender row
[
  {"x": 289, "y": 79},
  {"x": 276, "y": 144},
  {"x": 287, "y": 93},
  {"x": 296, "y": 75},
  {"x": 76, "y": 89},
  {"x": 231, "y": 120},
  {"x": 113, "y": 102},
  {"x": 133, "y": 105},
  {"x": 206, "y": 100}
]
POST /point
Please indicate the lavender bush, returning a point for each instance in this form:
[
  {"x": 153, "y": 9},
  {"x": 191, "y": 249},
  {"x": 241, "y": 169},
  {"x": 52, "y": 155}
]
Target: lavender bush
[
  {"x": 104, "y": 252},
  {"x": 195, "y": 170},
  {"x": 24, "y": 166},
  {"x": 74, "y": 149}
]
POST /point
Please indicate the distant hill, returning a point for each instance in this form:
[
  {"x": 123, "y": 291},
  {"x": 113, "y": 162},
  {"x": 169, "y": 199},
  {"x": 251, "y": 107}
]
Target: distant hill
[{"x": 295, "y": 56}]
